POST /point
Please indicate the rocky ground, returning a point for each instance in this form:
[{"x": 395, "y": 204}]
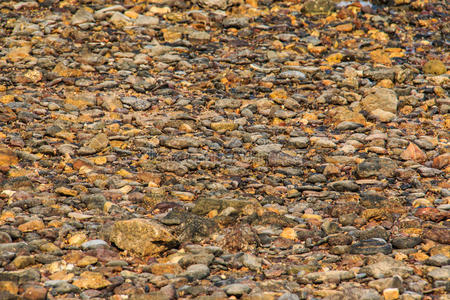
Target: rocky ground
[{"x": 224, "y": 149}]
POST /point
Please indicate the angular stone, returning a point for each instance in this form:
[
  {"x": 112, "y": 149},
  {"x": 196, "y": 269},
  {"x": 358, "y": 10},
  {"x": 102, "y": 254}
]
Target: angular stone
[
  {"x": 141, "y": 236},
  {"x": 91, "y": 280},
  {"x": 99, "y": 142},
  {"x": 413, "y": 153},
  {"x": 380, "y": 98}
]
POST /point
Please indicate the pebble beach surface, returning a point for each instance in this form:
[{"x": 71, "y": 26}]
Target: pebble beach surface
[{"x": 224, "y": 149}]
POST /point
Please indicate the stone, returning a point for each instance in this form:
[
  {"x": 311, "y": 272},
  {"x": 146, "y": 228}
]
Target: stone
[
  {"x": 237, "y": 289},
  {"x": 438, "y": 260},
  {"x": 174, "y": 167},
  {"x": 413, "y": 153},
  {"x": 434, "y": 67},
  {"x": 35, "y": 292},
  {"x": 99, "y": 142},
  {"x": 330, "y": 276},
  {"x": 382, "y": 115},
  {"x": 387, "y": 267},
  {"x": 405, "y": 242},
  {"x": 371, "y": 246},
  {"x": 165, "y": 268},
  {"x": 91, "y": 280},
  {"x": 141, "y": 236},
  {"x": 32, "y": 225},
  {"x": 442, "y": 273},
  {"x": 94, "y": 244},
  {"x": 223, "y": 126},
  {"x": 196, "y": 272},
  {"x": 380, "y": 98},
  {"x": 9, "y": 286},
  {"x": 344, "y": 185},
  {"x": 82, "y": 16},
  {"x": 212, "y": 4},
  {"x": 391, "y": 294},
  {"x": 376, "y": 166},
  {"x": 7, "y": 158},
  {"x": 441, "y": 161},
  {"x": 21, "y": 262},
  {"x": 321, "y": 7},
  {"x": 299, "y": 142}
]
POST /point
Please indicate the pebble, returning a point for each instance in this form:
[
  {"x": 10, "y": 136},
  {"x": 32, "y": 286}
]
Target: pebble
[{"x": 219, "y": 148}]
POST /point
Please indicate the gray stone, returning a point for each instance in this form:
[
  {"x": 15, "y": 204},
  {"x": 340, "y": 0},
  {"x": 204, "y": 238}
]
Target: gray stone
[
  {"x": 442, "y": 273},
  {"x": 299, "y": 142},
  {"x": 82, "y": 16},
  {"x": 386, "y": 266},
  {"x": 344, "y": 186},
  {"x": 291, "y": 74},
  {"x": 237, "y": 289},
  {"x": 136, "y": 103},
  {"x": 376, "y": 166},
  {"x": 238, "y": 22},
  {"x": 94, "y": 244},
  {"x": 438, "y": 260},
  {"x": 196, "y": 272}
]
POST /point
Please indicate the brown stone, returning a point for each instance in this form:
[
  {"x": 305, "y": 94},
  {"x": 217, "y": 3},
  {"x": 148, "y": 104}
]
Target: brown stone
[
  {"x": 32, "y": 225},
  {"x": 441, "y": 161},
  {"x": 91, "y": 280},
  {"x": 35, "y": 292},
  {"x": 141, "y": 236},
  {"x": 413, "y": 153}
]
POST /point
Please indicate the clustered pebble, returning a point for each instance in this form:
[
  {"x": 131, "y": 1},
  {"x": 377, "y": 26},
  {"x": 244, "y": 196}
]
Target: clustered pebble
[{"x": 224, "y": 149}]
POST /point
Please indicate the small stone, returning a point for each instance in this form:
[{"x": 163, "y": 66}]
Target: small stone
[
  {"x": 223, "y": 126},
  {"x": 35, "y": 292},
  {"x": 21, "y": 262},
  {"x": 32, "y": 225},
  {"x": 141, "y": 236},
  {"x": 94, "y": 244},
  {"x": 237, "y": 289},
  {"x": 7, "y": 158},
  {"x": 91, "y": 280},
  {"x": 292, "y": 75},
  {"x": 413, "y": 153},
  {"x": 382, "y": 115},
  {"x": 391, "y": 294},
  {"x": 86, "y": 261},
  {"x": 434, "y": 67},
  {"x": 66, "y": 191},
  {"x": 441, "y": 161},
  {"x": 405, "y": 242},
  {"x": 371, "y": 246},
  {"x": 9, "y": 286},
  {"x": 442, "y": 273},
  {"x": 289, "y": 233},
  {"x": 165, "y": 268},
  {"x": 196, "y": 272},
  {"x": 380, "y": 98},
  {"x": 82, "y": 16},
  {"x": 99, "y": 142},
  {"x": 438, "y": 260}
]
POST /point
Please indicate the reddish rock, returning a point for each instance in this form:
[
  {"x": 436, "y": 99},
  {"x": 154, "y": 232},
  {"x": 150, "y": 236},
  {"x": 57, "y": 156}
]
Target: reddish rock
[
  {"x": 414, "y": 153},
  {"x": 431, "y": 214},
  {"x": 441, "y": 161},
  {"x": 35, "y": 292},
  {"x": 437, "y": 234}
]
